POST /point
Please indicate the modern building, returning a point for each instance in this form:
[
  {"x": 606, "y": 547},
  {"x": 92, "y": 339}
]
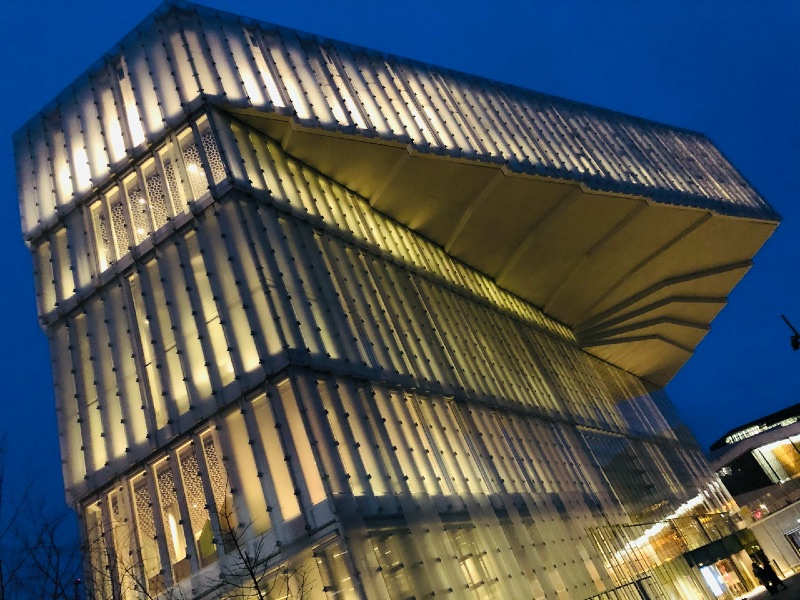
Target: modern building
[
  {"x": 759, "y": 464},
  {"x": 322, "y": 315}
]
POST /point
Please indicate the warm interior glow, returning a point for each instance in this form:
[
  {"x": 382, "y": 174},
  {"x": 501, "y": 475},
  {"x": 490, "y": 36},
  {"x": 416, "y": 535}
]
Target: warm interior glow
[
  {"x": 772, "y": 446},
  {"x": 64, "y": 179},
  {"x": 317, "y": 272},
  {"x": 82, "y": 172},
  {"x": 116, "y": 140},
  {"x": 134, "y": 124},
  {"x": 251, "y": 89},
  {"x": 711, "y": 580},
  {"x": 657, "y": 528},
  {"x": 173, "y": 529},
  {"x": 295, "y": 96}
]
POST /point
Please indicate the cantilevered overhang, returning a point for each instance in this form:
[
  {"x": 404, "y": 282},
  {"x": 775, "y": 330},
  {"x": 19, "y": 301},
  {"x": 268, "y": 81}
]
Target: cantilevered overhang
[
  {"x": 637, "y": 280},
  {"x": 629, "y": 231}
]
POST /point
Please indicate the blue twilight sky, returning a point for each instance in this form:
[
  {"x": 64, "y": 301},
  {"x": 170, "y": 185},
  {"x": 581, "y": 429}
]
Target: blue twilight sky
[{"x": 730, "y": 69}]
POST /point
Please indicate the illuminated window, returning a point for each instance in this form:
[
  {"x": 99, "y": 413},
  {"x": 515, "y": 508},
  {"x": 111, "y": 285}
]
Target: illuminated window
[
  {"x": 194, "y": 166},
  {"x": 334, "y": 566},
  {"x": 139, "y": 208},
  {"x": 780, "y": 460},
  {"x": 211, "y": 150},
  {"x": 103, "y": 242},
  {"x": 218, "y": 482},
  {"x": 176, "y": 180},
  {"x": 471, "y": 556},
  {"x": 199, "y": 521},
  {"x": 216, "y": 334},
  {"x": 121, "y": 229},
  {"x": 171, "y": 520},
  {"x": 345, "y": 89},
  {"x": 265, "y": 67},
  {"x": 99, "y": 555},
  {"x": 394, "y": 551},
  {"x": 147, "y": 534},
  {"x": 142, "y": 319},
  {"x": 160, "y": 188},
  {"x": 131, "y": 111},
  {"x": 126, "y": 565}
]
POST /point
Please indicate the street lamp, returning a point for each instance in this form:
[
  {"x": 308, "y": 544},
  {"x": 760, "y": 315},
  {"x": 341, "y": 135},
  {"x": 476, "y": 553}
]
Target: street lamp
[{"x": 795, "y": 339}]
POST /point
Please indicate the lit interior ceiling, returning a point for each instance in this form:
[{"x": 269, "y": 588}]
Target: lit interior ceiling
[{"x": 638, "y": 281}]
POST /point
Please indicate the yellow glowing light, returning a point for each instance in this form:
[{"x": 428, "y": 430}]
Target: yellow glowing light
[
  {"x": 252, "y": 90},
  {"x": 200, "y": 376},
  {"x": 657, "y": 528},
  {"x": 173, "y": 528},
  {"x": 135, "y": 125},
  {"x": 82, "y": 168},
  {"x": 140, "y": 230},
  {"x": 117, "y": 143},
  {"x": 775, "y": 445},
  {"x": 272, "y": 90},
  {"x": 64, "y": 179},
  {"x": 295, "y": 95}
]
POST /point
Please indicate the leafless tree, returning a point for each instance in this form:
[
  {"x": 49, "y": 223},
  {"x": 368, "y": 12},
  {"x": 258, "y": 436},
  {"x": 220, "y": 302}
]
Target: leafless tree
[
  {"x": 39, "y": 554},
  {"x": 115, "y": 572},
  {"x": 41, "y": 558},
  {"x": 248, "y": 574},
  {"x": 250, "y": 569},
  {"x": 49, "y": 554}
]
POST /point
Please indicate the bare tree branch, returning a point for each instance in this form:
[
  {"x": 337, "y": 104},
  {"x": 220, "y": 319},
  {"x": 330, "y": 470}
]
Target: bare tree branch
[{"x": 39, "y": 554}]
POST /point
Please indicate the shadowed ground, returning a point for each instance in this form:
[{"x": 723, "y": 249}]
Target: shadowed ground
[{"x": 793, "y": 593}]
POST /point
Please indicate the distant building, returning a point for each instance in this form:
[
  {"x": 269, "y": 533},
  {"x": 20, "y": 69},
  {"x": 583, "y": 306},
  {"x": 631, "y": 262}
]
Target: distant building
[
  {"x": 395, "y": 329},
  {"x": 759, "y": 464}
]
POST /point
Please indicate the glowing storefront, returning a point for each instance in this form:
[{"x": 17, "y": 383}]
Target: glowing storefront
[
  {"x": 759, "y": 464},
  {"x": 391, "y": 330}
]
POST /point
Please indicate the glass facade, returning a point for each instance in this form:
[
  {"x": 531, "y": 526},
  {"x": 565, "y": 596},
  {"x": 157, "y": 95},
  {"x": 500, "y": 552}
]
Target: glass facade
[
  {"x": 504, "y": 434},
  {"x": 264, "y": 381},
  {"x": 780, "y": 460}
]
